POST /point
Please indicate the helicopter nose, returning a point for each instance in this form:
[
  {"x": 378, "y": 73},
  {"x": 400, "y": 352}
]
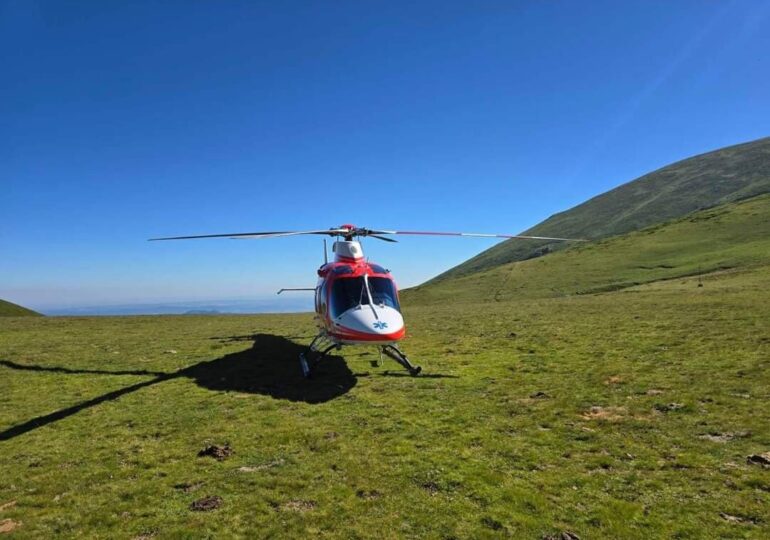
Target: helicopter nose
[{"x": 377, "y": 320}]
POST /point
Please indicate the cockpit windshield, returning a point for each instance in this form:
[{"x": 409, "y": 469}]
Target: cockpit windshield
[
  {"x": 351, "y": 292},
  {"x": 383, "y": 292}
]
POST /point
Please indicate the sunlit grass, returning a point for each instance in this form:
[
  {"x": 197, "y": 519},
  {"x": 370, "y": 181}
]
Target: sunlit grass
[
  {"x": 545, "y": 406},
  {"x": 535, "y": 417}
]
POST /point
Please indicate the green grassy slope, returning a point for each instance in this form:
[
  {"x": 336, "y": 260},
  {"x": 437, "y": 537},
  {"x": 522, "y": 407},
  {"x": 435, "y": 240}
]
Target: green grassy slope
[
  {"x": 731, "y": 236},
  {"x": 627, "y": 414},
  {"x": 7, "y": 309},
  {"x": 730, "y": 174}
]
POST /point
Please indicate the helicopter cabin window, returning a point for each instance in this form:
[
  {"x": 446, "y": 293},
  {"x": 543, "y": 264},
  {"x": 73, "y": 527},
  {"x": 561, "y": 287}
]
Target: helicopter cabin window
[
  {"x": 377, "y": 269},
  {"x": 351, "y": 292},
  {"x": 321, "y": 298},
  {"x": 383, "y": 292}
]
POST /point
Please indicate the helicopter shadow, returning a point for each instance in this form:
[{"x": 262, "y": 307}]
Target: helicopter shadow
[{"x": 270, "y": 367}]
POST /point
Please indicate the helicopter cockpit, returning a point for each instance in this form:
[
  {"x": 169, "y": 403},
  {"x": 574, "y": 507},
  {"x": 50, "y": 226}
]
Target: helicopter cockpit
[{"x": 350, "y": 292}]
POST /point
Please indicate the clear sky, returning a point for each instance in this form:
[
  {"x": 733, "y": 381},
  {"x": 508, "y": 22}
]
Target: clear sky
[{"x": 121, "y": 121}]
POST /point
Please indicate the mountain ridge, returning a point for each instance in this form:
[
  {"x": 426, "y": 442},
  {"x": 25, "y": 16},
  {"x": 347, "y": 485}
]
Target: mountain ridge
[
  {"x": 9, "y": 309},
  {"x": 733, "y": 236},
  {"x": 703, "y": 181}
]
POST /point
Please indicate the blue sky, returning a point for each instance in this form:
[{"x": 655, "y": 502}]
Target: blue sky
[{"x": 123, "y": 122}]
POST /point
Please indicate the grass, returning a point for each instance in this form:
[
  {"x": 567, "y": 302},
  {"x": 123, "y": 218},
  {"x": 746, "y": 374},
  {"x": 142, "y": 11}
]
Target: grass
[
  {"x": 730, "y": 174},
  {"x": 617, "y": 395},
  {"x": 534, "y": 417},
  {"x": 732, "y": 236},
  {"x": 8, "y": 309}
]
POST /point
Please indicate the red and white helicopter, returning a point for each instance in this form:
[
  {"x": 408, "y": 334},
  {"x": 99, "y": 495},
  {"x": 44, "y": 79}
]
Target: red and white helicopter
[{"x": 356, "y": 301}]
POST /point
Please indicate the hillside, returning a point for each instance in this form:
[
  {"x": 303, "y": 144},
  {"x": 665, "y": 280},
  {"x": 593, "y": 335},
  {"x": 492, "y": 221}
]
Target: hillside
[
  {"x": 7, "y": 309},
  {"x": 730, "y": 174},
  {"x": 733, "y": 236},
  {"x": 634, "y": 414}
]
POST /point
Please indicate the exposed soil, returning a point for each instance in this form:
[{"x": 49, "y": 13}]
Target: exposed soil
[
  {"x": 298, "y": 506},
  {"x": 763, "y": 460},
  {"x": 368, "y": 495},
  {"x": 669, "y": 407},
  {"x": 146, "y": 535},
  {"x": 737, "y": 519},
  {"x": 7, "y": 505},
  {"x": 188, "y": 487},
  {"x": 206, "y": 504},
  {"x": 431, "y": 487},
  {"x": 9, "y": 525},
  {"x": 563, "y": 535},
  {"x": 604, "y": 413},
  {"x": 219, "y": 453},
  {"x": 269, "y": 465},
  {"x": 725, "y": 437}
]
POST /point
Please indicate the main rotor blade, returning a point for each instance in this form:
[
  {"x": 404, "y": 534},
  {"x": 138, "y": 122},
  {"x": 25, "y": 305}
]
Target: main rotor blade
[
  {"x": 483, "y": 235},
  {"x": 330, "y": 232},
  {"x": 374, "y": 233},
  {"x": 378, "y": 237}
]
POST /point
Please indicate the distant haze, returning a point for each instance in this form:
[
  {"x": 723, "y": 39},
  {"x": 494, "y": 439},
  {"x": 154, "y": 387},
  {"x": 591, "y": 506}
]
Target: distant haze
[{"x": 191, "y": 308}]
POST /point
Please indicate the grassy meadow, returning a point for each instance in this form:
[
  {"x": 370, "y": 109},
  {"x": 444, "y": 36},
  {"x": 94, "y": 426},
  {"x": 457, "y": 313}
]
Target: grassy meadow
[
  {"x": 612, "y": 390},
  {"x": 733, "y": 236},
  {"x": 626, "y": 414}
]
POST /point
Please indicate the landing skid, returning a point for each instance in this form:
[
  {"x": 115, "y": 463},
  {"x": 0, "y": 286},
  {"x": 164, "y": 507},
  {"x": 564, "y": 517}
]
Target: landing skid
[
  {"x": 322, "y": 345},
  {"x": 396, "y": 354}
]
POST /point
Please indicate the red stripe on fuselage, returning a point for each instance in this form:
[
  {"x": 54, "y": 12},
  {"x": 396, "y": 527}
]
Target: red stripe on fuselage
[{"x": 341, "y": 332}]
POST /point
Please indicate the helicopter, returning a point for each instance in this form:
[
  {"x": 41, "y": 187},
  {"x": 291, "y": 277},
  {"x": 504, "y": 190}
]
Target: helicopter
[{"x": 356, "y": 301}]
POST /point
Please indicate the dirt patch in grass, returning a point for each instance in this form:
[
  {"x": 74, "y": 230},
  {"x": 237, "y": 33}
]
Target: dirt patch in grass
[
  {"x": 6, "y": 506},
  {"x": 562, "y": 535},
  {"x": 368, "y": 495},
  {"x": 206, "y": 504},
  {"x": 431, "y": 487},
  {"x": 220, "y": 453},
  {"x": 9, "y": 525},
  {"x": 611, "y": 414},
  {"x": 146, "y": 535},
  {"x": 262, "y": 467},
  {"x": 188, "y": 487},
  {"x": 763, "y": 460},
  {"x": 669, "y": 407},
  {"x": 738, "y": 519},
  {"x": 298, "y": 506},
  {"x": 615, "y": 379},
  {"x": 725, "y": 437}
]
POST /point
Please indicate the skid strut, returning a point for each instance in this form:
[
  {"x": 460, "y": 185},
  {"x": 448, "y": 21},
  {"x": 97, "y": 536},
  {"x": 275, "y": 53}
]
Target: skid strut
[
  {"x": 322, "y": 345},
  {"x": 318, "y": 348},
  {"x": 396, "y": 354}
]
